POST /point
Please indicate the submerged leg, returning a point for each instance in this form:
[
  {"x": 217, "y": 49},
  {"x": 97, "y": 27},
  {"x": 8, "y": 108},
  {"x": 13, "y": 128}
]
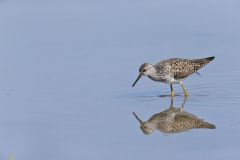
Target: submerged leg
[
  {"x": 172, "y": 92},
  {"x": 171, "y": 105},
  {"x": 185, "y": 99},
  {"x": 185, "y": 91}
]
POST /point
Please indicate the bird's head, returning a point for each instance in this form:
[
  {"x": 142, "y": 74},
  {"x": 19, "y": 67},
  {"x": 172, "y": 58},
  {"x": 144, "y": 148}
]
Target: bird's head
[
  {"x": 144, "y": 70},
  {"x": 146, "y": 127}
]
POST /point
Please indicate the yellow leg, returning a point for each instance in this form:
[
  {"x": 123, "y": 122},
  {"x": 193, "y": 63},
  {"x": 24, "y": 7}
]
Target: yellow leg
[
  {"x": 185, "y": 91},
  {"x": 172, "y": 92},
  {"x": 185, "y": 99},
  {"x": 171, "y": 106}
]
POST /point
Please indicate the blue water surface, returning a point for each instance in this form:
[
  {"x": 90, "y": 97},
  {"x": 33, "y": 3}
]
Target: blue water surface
[{"x": 67, "y": 67}]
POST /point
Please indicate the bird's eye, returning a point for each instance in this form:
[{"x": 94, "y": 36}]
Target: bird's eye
[{"x": 144, "y": 70}]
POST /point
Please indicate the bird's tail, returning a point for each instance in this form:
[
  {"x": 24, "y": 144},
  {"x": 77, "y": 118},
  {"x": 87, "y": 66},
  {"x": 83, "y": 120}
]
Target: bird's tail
[
  {"x": 206, "y": 125},
  {"x": 210, "y": 58},
  {"x": 199, "y": 63}
]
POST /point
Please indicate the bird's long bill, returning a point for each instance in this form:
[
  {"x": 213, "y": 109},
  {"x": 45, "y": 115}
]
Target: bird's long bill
[
  {"x": 139, "y": 120},
  {"x": 139, "y": 76}
]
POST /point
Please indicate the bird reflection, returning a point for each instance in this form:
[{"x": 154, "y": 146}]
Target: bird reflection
[{"x": 173, "y": 120}]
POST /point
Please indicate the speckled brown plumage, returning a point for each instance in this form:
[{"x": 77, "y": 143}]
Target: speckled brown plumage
[
  {"x": 181, "y": 68},
  {"x": 173, "y": 120},
  {"x": 172, "y": 70}
]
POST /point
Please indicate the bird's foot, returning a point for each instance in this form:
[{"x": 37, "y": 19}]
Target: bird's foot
[
  {"x": 186, "y": 93},
  {"x": 172, "y": 94}
]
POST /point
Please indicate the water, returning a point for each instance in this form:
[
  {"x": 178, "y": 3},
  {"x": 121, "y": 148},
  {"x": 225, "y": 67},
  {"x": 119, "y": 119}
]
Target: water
[{"x": 67, "y": 68}]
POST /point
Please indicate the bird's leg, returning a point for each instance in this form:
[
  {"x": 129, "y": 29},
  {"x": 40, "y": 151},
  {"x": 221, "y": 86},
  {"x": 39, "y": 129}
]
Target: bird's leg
[
  {"x": 185, "y": 91},
  {"x": 171, "y": 102},
  {"x": 172, "y": 92},
  {"x": 185, "y": 99},
  {"x": 171, "y": 105}
]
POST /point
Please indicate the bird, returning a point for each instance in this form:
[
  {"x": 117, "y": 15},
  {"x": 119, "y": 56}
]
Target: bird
[
  {"x": 172, "y": 71},
  {"x": 173, "y": 120}
]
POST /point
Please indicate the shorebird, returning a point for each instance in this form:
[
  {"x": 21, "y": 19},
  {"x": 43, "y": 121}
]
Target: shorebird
[
  {"x": 173, "y": 120},
  {"x": 172, "y": 71}
]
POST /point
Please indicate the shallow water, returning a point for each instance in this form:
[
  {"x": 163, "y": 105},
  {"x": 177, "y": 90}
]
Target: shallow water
[{"x": 67, "y": 68}]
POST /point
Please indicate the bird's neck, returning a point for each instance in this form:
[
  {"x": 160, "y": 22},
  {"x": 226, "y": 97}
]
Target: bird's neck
[{"x": 153, "y": 74}]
